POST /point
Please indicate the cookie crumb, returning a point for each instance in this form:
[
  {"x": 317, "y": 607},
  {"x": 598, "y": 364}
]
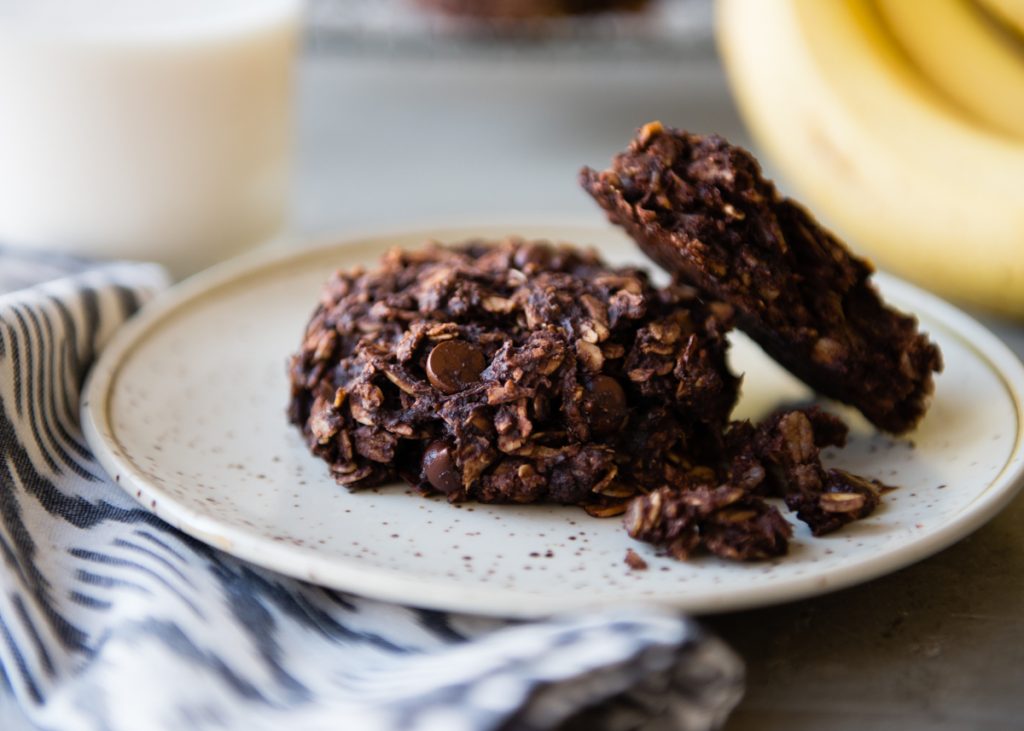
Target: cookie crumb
[{"x": 634, "y": 561}]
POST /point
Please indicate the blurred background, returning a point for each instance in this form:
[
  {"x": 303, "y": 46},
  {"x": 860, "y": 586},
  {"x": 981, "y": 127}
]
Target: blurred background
[
  {"x": 191, "y": 131},
  {"x": 409, "y": 115}
]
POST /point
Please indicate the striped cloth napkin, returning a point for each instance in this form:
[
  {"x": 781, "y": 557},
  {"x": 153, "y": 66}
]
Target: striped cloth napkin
[{"x": 113, "y": 620}]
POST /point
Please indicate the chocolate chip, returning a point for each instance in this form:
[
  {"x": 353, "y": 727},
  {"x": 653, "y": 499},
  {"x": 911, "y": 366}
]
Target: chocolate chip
[
  {"x": 454, "y": 365},
  {"x": 606, "y": 404},
  {"x": 439, "y": 468}
]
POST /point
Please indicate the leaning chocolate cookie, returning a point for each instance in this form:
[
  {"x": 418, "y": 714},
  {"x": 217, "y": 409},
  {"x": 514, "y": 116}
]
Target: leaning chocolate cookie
[
  {"x": 516, "y": 371},
  {"x": 701, "y": 208}
]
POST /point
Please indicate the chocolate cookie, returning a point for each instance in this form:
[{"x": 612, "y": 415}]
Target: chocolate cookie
[
  {"x": 701, "y": 208},
  {"x": 511, "y": 372},
  {"x": 523, "y": 372}
]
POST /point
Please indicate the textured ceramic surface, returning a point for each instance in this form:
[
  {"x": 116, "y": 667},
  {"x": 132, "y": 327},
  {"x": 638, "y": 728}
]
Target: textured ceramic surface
[{"x": 186, "y": 408}]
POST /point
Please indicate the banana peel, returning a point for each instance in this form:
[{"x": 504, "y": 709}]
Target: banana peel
[
  {"x": 926, "y": 190},
  {"x": 966, "y": 56}
]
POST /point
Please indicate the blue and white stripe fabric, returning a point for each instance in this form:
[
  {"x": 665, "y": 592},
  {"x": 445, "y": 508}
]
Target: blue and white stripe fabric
[{"x": 110, "y": 620}]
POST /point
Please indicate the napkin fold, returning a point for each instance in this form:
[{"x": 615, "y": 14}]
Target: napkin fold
[{"x": 110, "y": 619}]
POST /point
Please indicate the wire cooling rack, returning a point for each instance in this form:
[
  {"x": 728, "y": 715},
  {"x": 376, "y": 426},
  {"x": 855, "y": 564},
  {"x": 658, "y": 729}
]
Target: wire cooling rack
[{"x": 664, "y": 28}]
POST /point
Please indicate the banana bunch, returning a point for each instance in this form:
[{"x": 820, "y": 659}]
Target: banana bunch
[{"x": 901, "y": 124}]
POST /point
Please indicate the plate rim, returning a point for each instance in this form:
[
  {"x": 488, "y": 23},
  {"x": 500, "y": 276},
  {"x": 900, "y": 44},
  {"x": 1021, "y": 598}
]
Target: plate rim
[{"x": 407, "y": 588}]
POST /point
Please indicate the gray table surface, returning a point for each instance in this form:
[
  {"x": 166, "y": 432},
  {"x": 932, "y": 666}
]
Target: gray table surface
[{"x": 398, "y": 142}]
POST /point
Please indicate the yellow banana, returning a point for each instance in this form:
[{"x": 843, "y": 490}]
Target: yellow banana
[
  {"x": 874, "y": 151},
  {"x": 1010, "y": 12},
  {"x": 965, "y": 55}
]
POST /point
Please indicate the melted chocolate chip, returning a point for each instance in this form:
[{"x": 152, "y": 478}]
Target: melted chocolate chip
[
  {"x": 439, "y": 468},
  {"x": 454, "y": 365},
  {"x": 606, "y": 404}
]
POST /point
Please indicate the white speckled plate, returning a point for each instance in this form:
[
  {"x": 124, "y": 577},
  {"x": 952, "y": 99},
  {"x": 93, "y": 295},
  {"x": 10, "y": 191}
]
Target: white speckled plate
[{"x": 186, "y": 408}]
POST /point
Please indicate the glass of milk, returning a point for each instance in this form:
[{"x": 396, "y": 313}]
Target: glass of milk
[{"x": 146, "y": 129}]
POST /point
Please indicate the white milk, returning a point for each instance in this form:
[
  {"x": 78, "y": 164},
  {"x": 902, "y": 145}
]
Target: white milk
[{"x": 152, "y": 129}]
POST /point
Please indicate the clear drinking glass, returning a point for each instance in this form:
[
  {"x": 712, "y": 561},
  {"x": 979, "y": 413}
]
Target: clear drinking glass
[{"x": 147, "y": 129}]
